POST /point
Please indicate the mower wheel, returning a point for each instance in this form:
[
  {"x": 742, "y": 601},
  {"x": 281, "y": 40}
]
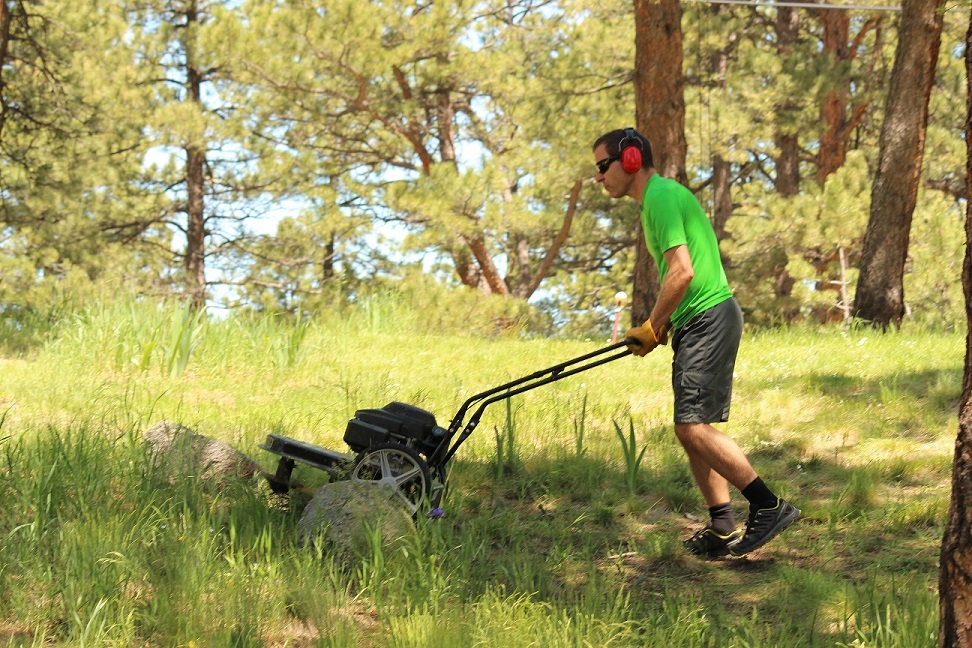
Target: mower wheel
[{"x": 398, "y": 468}]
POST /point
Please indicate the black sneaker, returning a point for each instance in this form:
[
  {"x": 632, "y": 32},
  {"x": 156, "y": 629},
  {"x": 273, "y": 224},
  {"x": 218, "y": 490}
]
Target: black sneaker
[
  {"x": 709, "y": 543},
  {"x": 764, "y": 525}
]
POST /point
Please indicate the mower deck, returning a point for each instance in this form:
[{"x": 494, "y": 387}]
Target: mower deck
[{"x": 292, "y": 451}]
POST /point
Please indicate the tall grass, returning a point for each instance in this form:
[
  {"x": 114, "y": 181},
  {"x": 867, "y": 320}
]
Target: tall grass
[
  {"x": 632, "y": 456},
  {"x": 506, "y": 451},
  {"x": 577, "y": 542}
]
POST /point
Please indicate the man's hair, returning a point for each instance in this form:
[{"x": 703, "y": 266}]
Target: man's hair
[{"x": 612, "y": 140}]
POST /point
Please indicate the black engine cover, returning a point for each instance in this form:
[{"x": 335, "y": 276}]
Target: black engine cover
[{"x": 395, "y": 421}]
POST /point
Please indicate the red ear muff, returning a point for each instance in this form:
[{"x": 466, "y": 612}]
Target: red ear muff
[{"x": 631, "y": 159}]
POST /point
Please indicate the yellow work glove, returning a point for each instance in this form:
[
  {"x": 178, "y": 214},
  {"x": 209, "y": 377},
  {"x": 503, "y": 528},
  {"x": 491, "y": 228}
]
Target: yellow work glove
[{"x": 646, "y": 338}]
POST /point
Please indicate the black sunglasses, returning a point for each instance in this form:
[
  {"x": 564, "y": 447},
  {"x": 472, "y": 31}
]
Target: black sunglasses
[{"x": 605, "y": 164}]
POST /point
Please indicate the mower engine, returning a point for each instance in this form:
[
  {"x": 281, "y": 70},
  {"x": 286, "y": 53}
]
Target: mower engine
[{"x": 395, "y": 422}]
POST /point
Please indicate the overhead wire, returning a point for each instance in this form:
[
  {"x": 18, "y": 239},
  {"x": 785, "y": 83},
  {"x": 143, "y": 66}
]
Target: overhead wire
[{"x": 768, "y": 4}]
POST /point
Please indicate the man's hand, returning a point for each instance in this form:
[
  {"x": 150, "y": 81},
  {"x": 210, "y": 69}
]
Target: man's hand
[{"x": 647, "y": 338}]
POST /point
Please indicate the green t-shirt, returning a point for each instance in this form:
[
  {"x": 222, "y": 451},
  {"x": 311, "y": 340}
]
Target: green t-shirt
[{"x": 671, "y": 216}]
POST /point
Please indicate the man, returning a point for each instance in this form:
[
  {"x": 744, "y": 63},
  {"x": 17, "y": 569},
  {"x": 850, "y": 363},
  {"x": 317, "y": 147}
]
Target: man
[{"x": 697, "y": 307}]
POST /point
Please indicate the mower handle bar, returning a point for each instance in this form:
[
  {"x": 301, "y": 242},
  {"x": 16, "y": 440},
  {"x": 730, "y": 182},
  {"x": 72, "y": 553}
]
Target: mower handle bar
[{"x": 524, "y": 384}]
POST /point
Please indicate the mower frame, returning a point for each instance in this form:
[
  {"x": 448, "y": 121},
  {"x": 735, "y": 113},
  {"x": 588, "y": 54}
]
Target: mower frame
[{"x": 415, "y": 469}]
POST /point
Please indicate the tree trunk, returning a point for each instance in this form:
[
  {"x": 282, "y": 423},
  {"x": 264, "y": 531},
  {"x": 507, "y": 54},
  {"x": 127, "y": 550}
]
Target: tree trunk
[
  {"x": 721, "y": 168},
  {"x": 660, "y": 115},
  {"x": 495, "y": 282},
  {"x": 955, "y": 575},
  {"x": 659, "y": 89},
  {"x": 6, "y": 14},
  {"x": 644, "y": 281},
  {"x": 466, "y": 267},
  {"x": 839, "y": 114},
  {"x": 721, "y": 195},
  {"x": 519, "y": 275},
  {"x": 787, "y": 161},
  {"x": 787, "y": 182},
  {"x": 195, "y": 261},
  {"x": 554, "y": 248},
  {"x": 833, "y": 108},
  {"x": 327, "y": 265},
  {"x": 880, "y": 293}
]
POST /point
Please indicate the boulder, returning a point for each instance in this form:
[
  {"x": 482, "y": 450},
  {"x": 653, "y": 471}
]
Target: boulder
[
  {"x": 183, "y": 453},
  {"x": 346, "y": 514}
]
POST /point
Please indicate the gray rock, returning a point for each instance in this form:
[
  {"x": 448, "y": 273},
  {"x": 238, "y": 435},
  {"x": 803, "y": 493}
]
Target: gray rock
[
  {"x": 346, "y": 514},
  {"x": 183, "y": 453}
]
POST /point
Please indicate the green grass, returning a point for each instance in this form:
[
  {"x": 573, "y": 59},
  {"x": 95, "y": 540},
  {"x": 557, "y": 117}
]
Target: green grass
[{"x": 550, "y": 537}]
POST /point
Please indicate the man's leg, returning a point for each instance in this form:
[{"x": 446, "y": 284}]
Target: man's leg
[
  {"x": 715, "y": 459},
  {"x": 714, "y": 487},
  {"x": 715, "y": 538},
  {"x": 702, "y": 370}
]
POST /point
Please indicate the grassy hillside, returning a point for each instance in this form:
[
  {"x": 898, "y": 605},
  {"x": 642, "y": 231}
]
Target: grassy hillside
[{"x": 555, "y": 545}]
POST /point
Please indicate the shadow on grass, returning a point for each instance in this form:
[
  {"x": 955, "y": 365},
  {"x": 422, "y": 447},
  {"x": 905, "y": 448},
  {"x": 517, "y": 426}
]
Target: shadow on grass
[{"x": 863, "y": 529}]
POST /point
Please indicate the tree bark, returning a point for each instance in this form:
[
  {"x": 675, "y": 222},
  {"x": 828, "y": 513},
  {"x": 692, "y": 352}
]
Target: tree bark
[
  {"x": 660, "y": 115},
  {"x": 955, "y": 575},
  {"x": 880, "y": 292}
]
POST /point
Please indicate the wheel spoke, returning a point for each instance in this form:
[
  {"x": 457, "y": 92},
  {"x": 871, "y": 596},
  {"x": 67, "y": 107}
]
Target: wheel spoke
[
  {"x": 409, "y": 504},
  {"x": 404, "y": 477},
  {"x": 385, "y": 465}
]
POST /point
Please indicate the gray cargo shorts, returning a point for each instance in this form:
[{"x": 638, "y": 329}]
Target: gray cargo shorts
[{"x": 705, "y": 355}]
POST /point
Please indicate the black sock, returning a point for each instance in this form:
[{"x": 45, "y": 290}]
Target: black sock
[
  {"x": 759, "y": 495},
  {"x": 723, "y": 521}
]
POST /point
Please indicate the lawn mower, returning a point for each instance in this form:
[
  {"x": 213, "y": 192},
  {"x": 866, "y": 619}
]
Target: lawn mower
[{"x": 402, "y": 448}]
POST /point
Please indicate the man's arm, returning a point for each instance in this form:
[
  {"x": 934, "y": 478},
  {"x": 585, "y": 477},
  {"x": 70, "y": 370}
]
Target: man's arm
[{"x": 674, "y": 286}]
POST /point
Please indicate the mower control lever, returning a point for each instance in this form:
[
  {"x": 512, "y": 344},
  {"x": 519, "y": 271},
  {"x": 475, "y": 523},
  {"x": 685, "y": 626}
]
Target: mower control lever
[{"x": 518, "y": 386}]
